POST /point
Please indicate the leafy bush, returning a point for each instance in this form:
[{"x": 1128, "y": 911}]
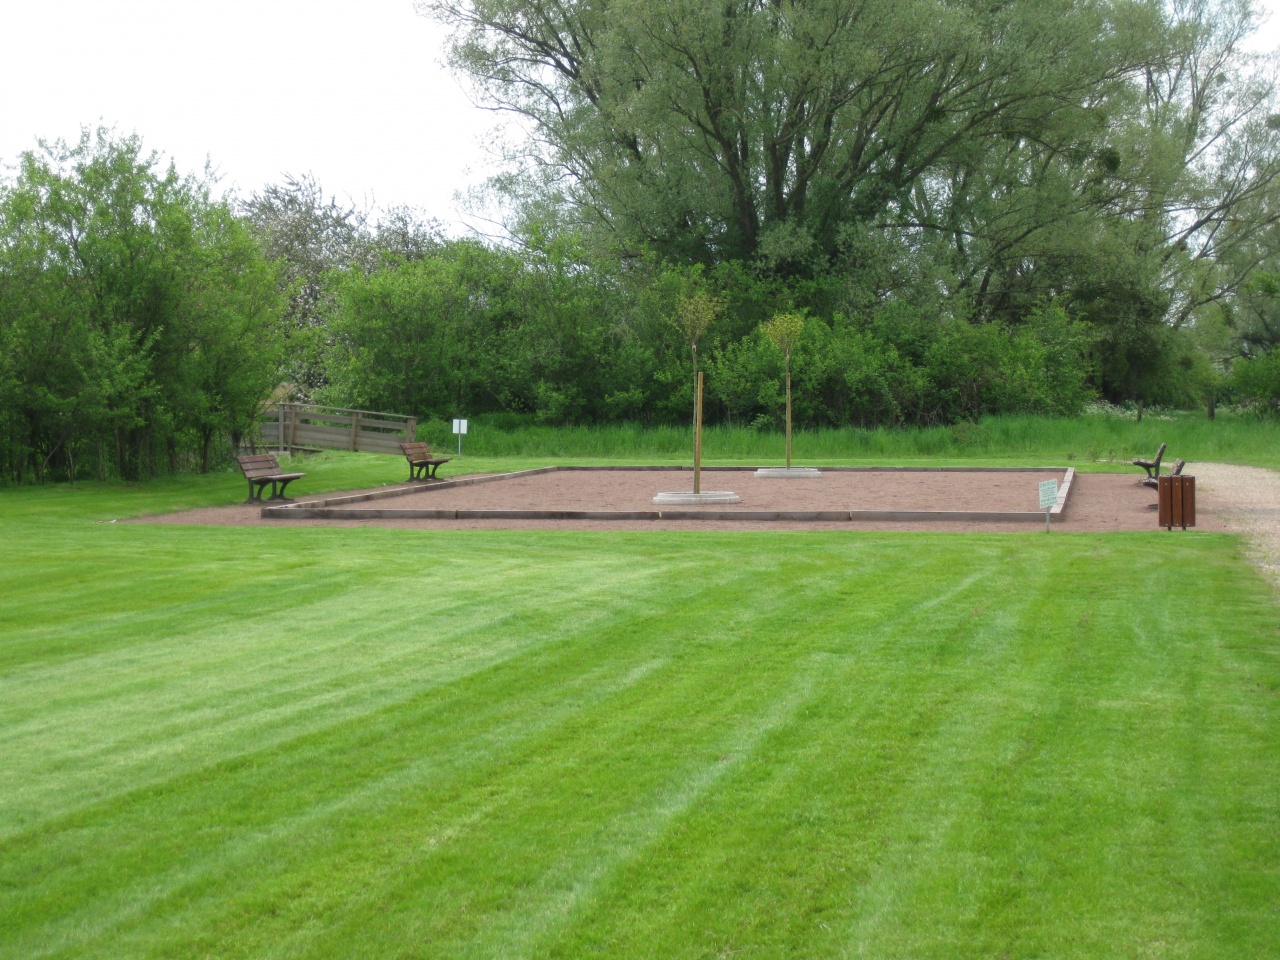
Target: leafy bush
[
  {"x": 138, "y": 317},
  {"x": 1256, "y": 382}
]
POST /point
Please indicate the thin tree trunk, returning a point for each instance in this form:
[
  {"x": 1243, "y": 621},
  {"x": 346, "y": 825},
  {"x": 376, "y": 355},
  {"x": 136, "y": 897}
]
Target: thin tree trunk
[
  {"x": 697, "y": 436},
  {"x": 697, "y": 425},
  {"x": 788, "y": 411}
]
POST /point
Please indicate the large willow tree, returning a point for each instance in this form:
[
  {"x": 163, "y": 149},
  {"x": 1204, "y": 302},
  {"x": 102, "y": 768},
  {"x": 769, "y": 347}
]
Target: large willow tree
[
  {"x": 725, "y": 129},
  {"x": 1119, "y": 156}
]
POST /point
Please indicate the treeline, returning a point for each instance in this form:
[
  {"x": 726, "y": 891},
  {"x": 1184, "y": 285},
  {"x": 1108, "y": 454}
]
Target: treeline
[
  {"x": 974, "y": 209},
  {"x": 473, "y": 329},
  {"x": 977, "y": 208},
  {"x": 143, "y": 324}
]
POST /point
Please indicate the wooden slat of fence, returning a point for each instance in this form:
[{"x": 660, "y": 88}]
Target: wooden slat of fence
[
  {"x": 304, "y": 412},
  {"x": 338, "y": 434},
  {"x": 378, "y": 445},
  {"x": 382, "y": 423},
  {"x": 339, "y": 438},
  {"x": 346, "y": 412}
]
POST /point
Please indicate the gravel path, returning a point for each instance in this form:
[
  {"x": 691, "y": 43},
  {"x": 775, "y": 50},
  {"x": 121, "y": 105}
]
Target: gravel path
[{"x": 1248, "y": 501}]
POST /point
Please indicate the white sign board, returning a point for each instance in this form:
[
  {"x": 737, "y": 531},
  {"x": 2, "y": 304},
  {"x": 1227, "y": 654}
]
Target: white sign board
[
  {"x": 1048, "y": 494},
  {"x": 459, "y": 427}
]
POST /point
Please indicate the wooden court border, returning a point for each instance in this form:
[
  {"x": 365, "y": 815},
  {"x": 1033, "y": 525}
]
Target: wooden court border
[{"x": 345, "y": 507}]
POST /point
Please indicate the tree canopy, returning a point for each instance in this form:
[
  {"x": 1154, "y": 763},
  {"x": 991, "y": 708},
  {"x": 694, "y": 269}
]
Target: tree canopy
[
  {"x": 967, "y": 208},
  {"x": 1119, "y": 158},
  {"x": 138, "y": 316}
]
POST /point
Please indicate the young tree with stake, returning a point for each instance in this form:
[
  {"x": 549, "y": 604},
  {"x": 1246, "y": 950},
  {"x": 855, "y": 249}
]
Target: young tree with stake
[
  {"x": 694, "y": 314},
  {"x": 784, "y": 331}
]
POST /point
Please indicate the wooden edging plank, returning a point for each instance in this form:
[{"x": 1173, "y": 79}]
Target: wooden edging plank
[
  {"x": 824, "y": 469},
  {"x": 1063, "y": 491},
  {"x": 300, "y": 512},
  {"x": 401, "y": 490},
  {"x": 479, "y": 514}
]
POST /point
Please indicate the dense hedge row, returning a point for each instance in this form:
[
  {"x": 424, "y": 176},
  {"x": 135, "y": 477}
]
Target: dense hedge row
[{"x": 474, "y": 330}]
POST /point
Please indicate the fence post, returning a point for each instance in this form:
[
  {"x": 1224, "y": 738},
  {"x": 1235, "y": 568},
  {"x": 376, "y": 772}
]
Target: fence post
[
  {"x": 355, "y": 428},
  {"x": 411, "y": 430}
]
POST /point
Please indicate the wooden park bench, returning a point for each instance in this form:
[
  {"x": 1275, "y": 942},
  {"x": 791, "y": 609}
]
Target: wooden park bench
[
  {"x": 422, "y": 465},
  {"x": 262, "y": 469},
  {"x": 1177, "y": 472},
  {"x": 1152, "y": 467}
]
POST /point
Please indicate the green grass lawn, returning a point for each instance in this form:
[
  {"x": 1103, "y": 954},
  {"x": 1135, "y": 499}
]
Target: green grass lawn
[{"x": 307, "y": 742}]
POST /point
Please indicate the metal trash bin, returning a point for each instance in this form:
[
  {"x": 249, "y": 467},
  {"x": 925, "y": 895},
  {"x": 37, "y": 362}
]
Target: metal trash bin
[{"x": 1177, "y": 501}]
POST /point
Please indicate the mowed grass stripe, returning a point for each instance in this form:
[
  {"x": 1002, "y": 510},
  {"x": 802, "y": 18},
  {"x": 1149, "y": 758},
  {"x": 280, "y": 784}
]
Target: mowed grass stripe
[
  {"x": 545, "y": 894},
  {"x": 880, "y": 748},
  {"x": 713, "y": 602},
  {"x": 805, "y": 745},
  {"x": 172, "y": 695}
]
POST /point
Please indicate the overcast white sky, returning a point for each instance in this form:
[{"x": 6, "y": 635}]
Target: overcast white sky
[{"x": 352, "y": 91}]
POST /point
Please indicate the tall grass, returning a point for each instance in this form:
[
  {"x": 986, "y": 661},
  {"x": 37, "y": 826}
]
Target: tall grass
[{"x": 1093, "y": 437}]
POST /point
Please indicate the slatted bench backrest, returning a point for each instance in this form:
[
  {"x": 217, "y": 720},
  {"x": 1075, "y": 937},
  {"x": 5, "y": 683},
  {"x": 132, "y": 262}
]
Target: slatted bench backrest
[
  {"x": 417, "y": 451},
  {"x": 261, "y": 465}
]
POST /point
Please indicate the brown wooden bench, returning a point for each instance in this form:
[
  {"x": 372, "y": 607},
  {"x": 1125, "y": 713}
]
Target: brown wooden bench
[
  {"x": 1176, "y": 472},
  {"x": 262, "y": 469},
  {"x": 422, "y": 465},
  {"x": 1152, "y": 467}
]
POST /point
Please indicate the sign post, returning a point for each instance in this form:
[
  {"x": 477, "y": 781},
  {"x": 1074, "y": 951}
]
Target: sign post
[
  {"x": 1048, "y": 497},
  {"x": 459, "y": 427}
]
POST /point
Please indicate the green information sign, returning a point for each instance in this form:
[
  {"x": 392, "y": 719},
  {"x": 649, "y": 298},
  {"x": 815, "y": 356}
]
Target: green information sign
[
  {"x": 1048, "y": 494},
  {"x": 1048, "y": 497}
]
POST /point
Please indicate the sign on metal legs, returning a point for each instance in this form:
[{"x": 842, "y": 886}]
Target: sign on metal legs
[
  {"x": 1048, "y": 498},
  {"x": 459, "y": 427}
]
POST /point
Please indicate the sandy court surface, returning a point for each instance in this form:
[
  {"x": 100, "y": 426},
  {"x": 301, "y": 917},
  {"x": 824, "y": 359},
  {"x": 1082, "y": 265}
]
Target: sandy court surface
[
  {"x": 1098, "y": 502},
  {"x": 834, "y": 490}
]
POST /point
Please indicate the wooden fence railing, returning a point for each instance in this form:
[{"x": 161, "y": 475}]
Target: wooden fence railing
[{"x": 289, "y": 426}]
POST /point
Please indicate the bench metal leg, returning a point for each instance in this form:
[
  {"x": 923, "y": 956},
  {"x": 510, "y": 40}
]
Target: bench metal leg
[
  {"x": 423, "y": 471},
  {"x": 280, "y": 497}
]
